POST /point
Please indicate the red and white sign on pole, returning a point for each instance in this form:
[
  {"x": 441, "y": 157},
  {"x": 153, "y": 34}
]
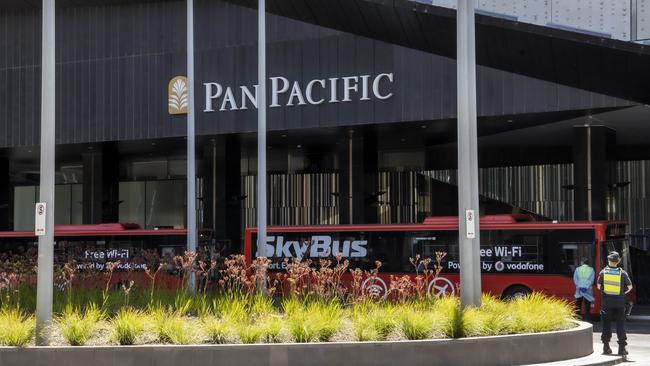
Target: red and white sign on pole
[
  {"x": 39, "y": 219},
  {"x": 470, "y": 224}
]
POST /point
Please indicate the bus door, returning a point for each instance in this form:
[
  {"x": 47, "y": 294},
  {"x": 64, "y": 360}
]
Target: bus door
[{"x": 620, "y": 245}]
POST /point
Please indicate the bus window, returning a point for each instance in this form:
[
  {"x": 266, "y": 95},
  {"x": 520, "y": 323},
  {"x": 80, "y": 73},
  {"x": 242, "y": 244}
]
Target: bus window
[
  {"x": 620, "y": 245},
  {"x": 385, "y": 247},
  {"x": 566, "y": 248},
  {"x": 513, "y": 251},
  {"x": 574, "y": 252},
  {"x": 426, "y": 244}
]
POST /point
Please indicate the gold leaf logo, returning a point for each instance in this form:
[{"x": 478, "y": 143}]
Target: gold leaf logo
[{"x": 178, "y": 95}]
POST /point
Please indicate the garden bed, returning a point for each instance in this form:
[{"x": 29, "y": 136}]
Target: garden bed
[
  {"x": 305, "y": 315},
  {"x": 230, "y": 319},
  {"x": 480, "y": 351}
]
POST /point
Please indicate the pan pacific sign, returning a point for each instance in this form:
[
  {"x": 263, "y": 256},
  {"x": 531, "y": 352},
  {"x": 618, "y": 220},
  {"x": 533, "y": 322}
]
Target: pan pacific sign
[{"x": 288, "y": 93}]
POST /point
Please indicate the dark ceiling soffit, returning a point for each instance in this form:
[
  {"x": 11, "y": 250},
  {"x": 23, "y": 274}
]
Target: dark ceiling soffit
[{"x": 607, "y": 66}]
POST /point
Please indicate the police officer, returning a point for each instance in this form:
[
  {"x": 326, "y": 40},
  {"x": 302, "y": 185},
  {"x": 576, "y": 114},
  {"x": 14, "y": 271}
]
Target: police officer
[
  {"x": 583, "y": 278},
  {"x": 614, "y": 283}
]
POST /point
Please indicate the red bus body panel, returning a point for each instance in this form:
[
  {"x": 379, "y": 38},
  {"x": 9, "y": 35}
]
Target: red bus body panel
[{"x": 496, "y": 284}]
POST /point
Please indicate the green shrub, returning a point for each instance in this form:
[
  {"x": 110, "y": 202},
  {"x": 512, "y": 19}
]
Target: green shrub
[
  {"x": 23, "y": 297},
  {"x": 447, "y": 317},
  {"x": 301, "y": 328},
  {"x": 313, "y": 320},
  {"x": 127, "y": 326},
  {"x": 473, "y": 322},
  {"x": 270, "y": 328},
  {"x": 16, "y": 327},
  {"x": 539, "y": 313},
  {"x": 373, "y": 321},
  {"x": 384, "y": 321},
  {"x": 261, "y": 306},
  {"x": 233, "y": 307},
  {"x": 202, "y": 306},
  {"x": 249, "y": 334},
  {"x": 183, "y": 303},
  {"x": 327, "y": 319},
  {"x": 415, "y": 324},
  {"x": 76, "y": 328},
  {"x": 171, "y": 327},
  {"x": 495, "y": 316},
  {"x": 363, "y": 329},
  {"x": 217, "y": 330}
]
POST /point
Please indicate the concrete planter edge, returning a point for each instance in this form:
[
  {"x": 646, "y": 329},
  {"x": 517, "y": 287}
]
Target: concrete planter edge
[{"x": 481, "y": 351}]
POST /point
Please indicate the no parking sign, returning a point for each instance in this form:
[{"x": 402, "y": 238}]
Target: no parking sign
[{"x": 39, "y": 219}]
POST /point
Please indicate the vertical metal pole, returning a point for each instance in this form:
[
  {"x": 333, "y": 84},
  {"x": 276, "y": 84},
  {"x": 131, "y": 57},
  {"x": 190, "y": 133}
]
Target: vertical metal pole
[
  {"x": 470, "y": 261},
  {"x": 589, "y": 193},
  {"x": 634, "y": 20},
  {"x": 261, "y": 126},
  {"x": 45, "y": 284},
  {"x": 191, "y": 160},
  {"x": 350, "y": 178}
]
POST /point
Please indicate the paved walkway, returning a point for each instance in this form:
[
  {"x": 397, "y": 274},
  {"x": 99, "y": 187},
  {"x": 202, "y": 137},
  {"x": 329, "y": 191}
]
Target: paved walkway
[
  {"x": 638, "y": 339},
  {"x": 595, "y": 359}
]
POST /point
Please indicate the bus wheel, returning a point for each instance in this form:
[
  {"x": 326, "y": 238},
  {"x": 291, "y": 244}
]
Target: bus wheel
[{"x": 515, "y": 292}]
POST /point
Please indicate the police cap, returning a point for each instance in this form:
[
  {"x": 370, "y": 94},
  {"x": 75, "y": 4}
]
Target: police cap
[{"x": 614, "y": 257}]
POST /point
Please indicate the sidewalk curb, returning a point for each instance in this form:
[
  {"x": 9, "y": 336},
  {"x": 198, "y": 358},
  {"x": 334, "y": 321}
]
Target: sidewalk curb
[
  {"x": 638, "y": 317},
  {"x": 595, "y": 359},
  {"x": 614, "y": 361}
]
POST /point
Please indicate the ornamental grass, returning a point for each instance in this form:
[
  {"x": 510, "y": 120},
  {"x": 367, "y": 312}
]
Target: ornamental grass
[
  {"x": 172, "y": 327},
  {"x": 306, "y": 303},
  {"x": 76, "y": 326},
  {"x": 16, "y": 327},
  {"x": 256, "y": 319},
  {"x": 127, "y": 326}
]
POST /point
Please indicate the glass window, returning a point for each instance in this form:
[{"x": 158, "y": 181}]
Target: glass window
[
  {"x": 513, "y": 251},
  {"x": 149, "y": 169},
  {"x": 132, "y": 202},
  {"x": 426, "y": 244},
  {"x": 68, "y": 208},
  {"x": 24, "y": 202},
  {"x": 620, "y": 245},
  {"x": 362, "y": 249},
  {"x": 165, "y": 204},
  {"x": 566, "y": 248},
  {"x": 76, "y": 204},
  {"x": 62, "y": 195},
  {"x": 386, "y": 247}
]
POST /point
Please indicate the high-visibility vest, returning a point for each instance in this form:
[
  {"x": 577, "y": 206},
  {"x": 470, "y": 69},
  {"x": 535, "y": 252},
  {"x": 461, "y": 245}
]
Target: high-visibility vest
[{"x": 612, "y": 281}]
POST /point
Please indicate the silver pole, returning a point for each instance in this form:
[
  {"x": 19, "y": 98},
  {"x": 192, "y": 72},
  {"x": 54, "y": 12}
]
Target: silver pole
[
  {"x": 45, "y": 284},
  {"x": 469, "y": 233},
  {"x": 261, "y": 126},
  {"x": 350, "y": 178},
  {"x": 191, "y": 159},
  {"x": 634, "y": 20}
]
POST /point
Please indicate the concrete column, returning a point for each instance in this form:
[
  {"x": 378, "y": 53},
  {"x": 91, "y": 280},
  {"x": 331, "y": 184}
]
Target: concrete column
[
  {"x": 594, "y": 150},
  {"x": 358, "y": 185},
  {"x": 6, "y": 196},
  {"x": 100, "y": 186},
  {"x": 222, "y": 196}
]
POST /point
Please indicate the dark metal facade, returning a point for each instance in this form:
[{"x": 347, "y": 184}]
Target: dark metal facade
[{"x": 115, "y": 60}]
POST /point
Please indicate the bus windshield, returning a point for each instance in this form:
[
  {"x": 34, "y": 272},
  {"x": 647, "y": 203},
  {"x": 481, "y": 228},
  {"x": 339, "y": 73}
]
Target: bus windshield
[{"x": 620, "y": 245}]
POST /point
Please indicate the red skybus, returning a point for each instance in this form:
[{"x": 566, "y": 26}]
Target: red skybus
[
  {"x": 518, "y": 254},
  {"x": 91, "y": 247}
]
